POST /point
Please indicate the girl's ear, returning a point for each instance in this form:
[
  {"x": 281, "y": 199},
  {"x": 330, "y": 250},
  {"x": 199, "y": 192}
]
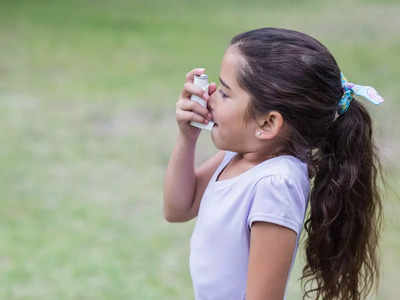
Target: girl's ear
[{"x": 271, "y": 125}]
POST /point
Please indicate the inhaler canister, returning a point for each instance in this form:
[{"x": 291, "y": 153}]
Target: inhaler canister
[{"x": 202, "y": 82}]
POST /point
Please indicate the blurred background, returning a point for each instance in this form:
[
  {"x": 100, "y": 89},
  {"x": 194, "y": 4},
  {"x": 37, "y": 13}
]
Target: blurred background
[{"x": 87, "y": 114}]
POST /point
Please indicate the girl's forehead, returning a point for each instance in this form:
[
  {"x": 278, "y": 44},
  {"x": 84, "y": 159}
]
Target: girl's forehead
[
  {"x": 231, "y": 64},
  {"x": 229, "y": 67}
]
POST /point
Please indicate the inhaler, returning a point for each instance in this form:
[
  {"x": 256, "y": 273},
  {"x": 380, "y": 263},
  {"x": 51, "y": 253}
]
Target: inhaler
[{"x": 202, "y": 82}]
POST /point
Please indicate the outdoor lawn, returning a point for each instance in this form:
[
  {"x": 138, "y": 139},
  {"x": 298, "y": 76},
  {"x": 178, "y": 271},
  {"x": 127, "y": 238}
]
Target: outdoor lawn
[{"x": 87, "y": 114}]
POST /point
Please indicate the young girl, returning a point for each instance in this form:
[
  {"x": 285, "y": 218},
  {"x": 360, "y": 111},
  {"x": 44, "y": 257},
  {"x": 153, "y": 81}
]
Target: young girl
[{"x": 289, "y": 132}]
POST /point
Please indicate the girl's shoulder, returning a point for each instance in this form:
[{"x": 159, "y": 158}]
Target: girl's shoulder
[{"x": 283, "y": 166}]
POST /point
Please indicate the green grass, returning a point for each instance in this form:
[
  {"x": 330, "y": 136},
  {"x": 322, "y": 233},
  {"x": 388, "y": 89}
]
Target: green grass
[{"x": 87, "y": 111}]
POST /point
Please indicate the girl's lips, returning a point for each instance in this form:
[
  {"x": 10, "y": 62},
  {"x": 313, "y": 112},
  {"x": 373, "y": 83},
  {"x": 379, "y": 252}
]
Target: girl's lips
[{"x": 215, "y": 123}]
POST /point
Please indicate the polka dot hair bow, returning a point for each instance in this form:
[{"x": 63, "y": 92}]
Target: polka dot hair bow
[{"x": 350, "y": 89}]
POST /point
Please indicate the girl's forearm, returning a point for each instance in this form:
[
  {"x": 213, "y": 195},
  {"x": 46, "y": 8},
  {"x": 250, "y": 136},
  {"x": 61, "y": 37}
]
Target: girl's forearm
[{"x": 180, "y": 180}]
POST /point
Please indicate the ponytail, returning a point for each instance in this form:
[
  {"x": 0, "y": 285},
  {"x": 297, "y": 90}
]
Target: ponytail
[{"x": 346, "y": 210}]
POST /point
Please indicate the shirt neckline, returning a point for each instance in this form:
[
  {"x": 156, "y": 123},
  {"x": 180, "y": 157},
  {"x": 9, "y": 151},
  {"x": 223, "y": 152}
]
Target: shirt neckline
[{"x": 235, "y": 178}]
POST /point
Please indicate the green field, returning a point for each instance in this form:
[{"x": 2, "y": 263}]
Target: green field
[{"x": 87, "y": 111}]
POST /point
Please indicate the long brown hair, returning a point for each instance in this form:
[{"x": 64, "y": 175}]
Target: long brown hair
[{"x": 293, "y": 73}]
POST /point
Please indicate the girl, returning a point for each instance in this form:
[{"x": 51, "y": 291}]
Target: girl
[{"x": 289, "y": 132}]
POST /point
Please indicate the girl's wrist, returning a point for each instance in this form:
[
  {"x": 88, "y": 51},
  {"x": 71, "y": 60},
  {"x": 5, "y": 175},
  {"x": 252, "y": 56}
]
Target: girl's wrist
[{"x": 186, "y": 141}]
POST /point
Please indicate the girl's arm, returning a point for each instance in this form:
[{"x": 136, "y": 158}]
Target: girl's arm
[
  {"x": 183, "y": 187},
  {"x": 271, "y": 250}
]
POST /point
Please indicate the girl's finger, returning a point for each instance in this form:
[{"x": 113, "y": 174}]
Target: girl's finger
[
  {"x": 187, "y": 116},
  {"x": 190, "y": 74},
  {"x": 212, "y": 88},
  {"x": 190, "y": 89},
  {"x": 194, "y": 107}
]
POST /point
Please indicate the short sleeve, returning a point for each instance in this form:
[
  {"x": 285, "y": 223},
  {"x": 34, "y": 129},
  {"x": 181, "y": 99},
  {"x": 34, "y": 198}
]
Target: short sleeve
[{"x": 278, "y": 200}]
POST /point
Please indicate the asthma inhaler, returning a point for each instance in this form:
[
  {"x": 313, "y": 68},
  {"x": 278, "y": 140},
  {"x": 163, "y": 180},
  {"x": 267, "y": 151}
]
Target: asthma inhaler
[{"x": 202, "y": 82}]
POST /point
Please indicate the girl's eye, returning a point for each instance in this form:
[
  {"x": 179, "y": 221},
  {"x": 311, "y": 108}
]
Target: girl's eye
[{"x": 223, "y": 94}]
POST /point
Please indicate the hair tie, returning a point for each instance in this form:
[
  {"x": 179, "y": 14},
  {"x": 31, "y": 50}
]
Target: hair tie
[{"x": 350, "y": 89}]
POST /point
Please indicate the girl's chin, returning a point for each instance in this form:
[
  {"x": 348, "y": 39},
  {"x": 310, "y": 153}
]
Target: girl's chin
[{"x": 213, "y": 134}]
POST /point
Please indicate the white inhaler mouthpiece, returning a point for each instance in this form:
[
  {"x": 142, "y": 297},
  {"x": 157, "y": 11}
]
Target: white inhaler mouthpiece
[{"x": 202, "y": 82}]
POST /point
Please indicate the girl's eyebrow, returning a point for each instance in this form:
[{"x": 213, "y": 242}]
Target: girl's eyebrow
[{"x": 223, "y": 83}]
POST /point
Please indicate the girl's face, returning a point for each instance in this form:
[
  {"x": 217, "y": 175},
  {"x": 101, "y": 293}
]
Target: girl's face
[{"x": 228, "y": 106}]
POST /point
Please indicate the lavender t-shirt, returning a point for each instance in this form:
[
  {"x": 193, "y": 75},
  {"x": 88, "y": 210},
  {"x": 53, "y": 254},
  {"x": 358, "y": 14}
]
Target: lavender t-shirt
[{"x": 275, "y": 190}]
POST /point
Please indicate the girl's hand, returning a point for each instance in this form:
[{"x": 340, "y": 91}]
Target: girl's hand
[{"x": 187, "y": 110}]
